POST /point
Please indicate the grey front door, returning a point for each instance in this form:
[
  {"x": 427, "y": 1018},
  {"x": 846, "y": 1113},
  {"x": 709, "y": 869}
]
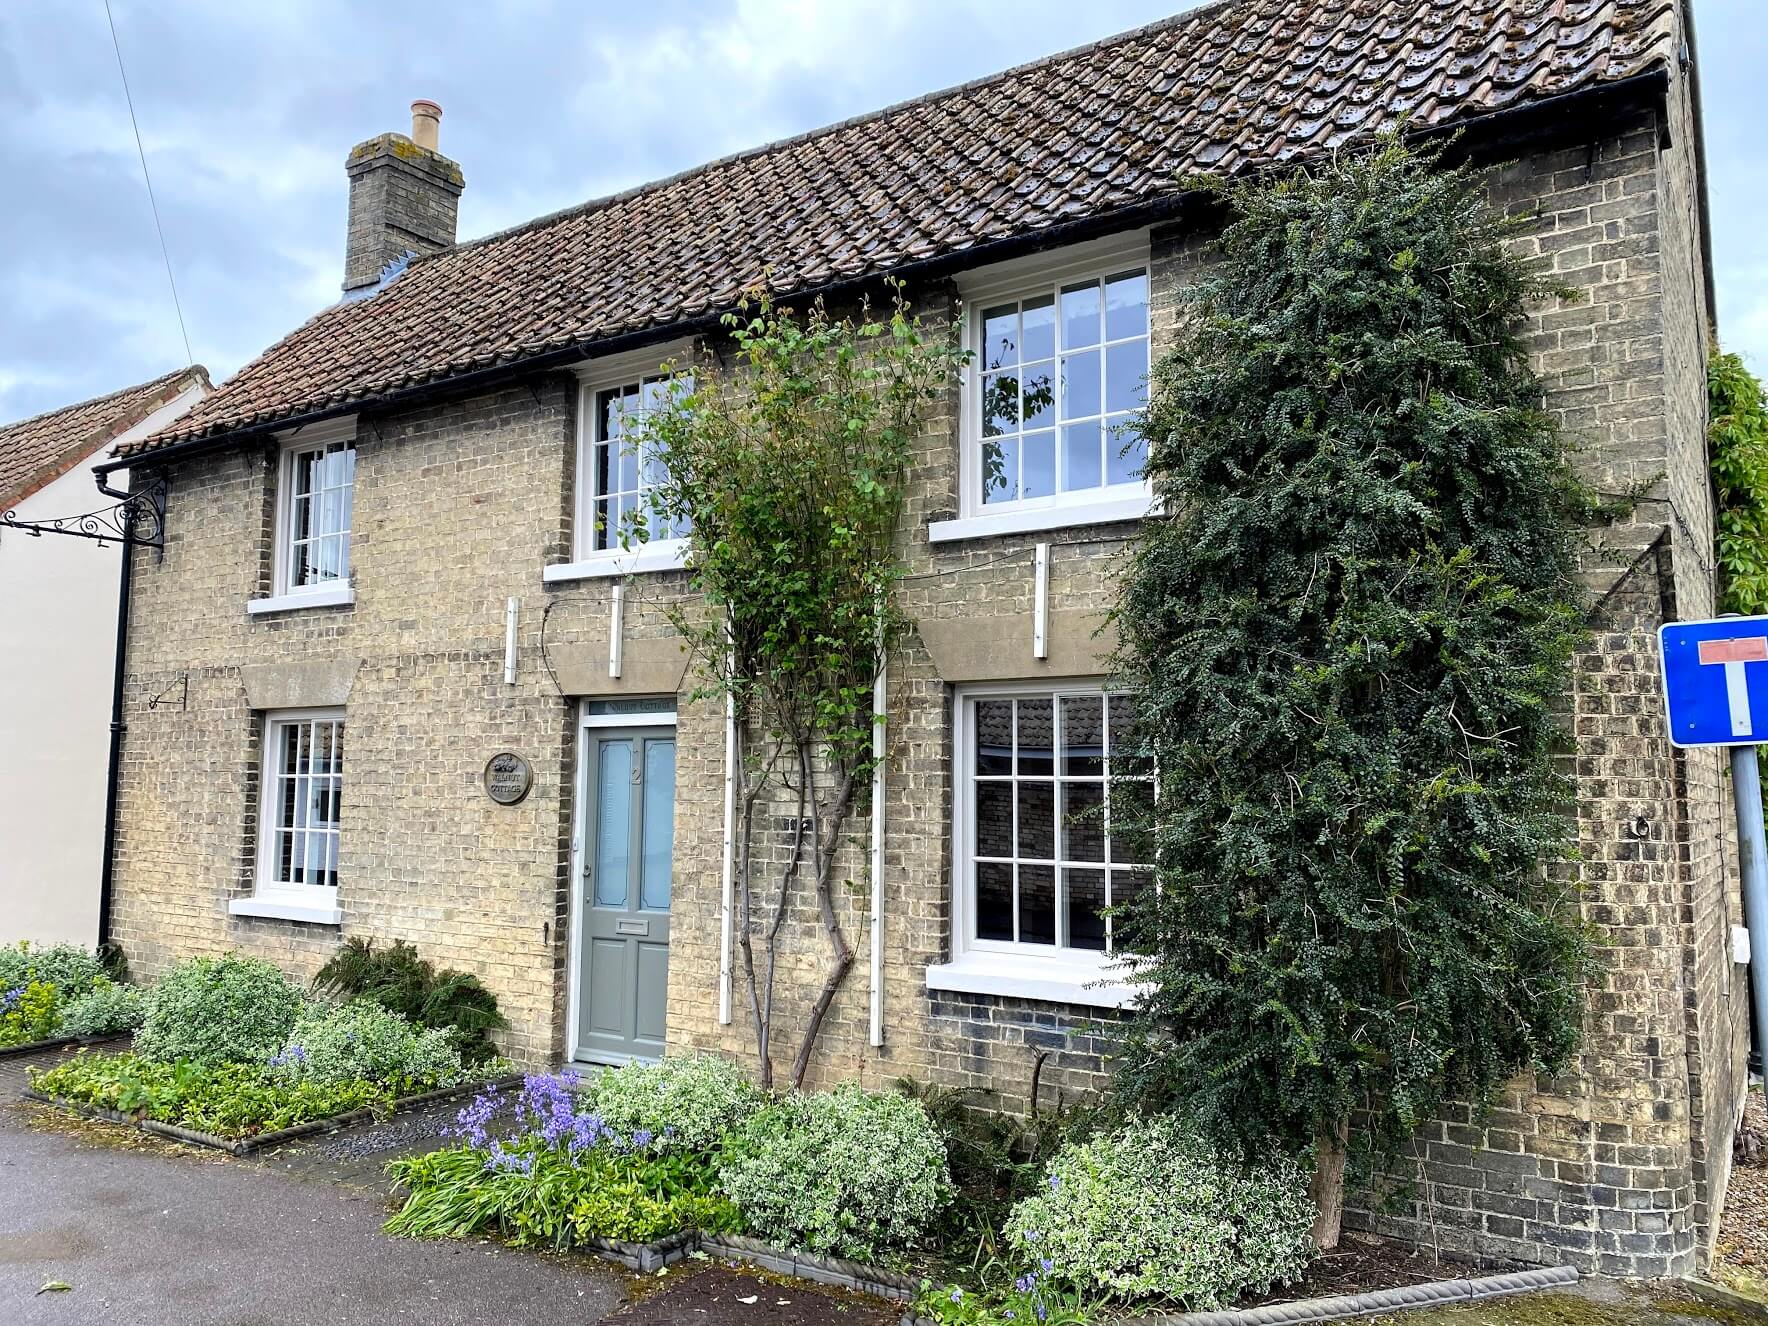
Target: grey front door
[{"x": 623, "y": 892}]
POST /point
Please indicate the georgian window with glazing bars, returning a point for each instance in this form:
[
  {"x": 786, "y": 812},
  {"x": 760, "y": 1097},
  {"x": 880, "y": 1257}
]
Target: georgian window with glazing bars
[
  {"x": 301, "y": 805},
  {"x": 317, "y": 502},
  {"x": 1042, "y": 857}
]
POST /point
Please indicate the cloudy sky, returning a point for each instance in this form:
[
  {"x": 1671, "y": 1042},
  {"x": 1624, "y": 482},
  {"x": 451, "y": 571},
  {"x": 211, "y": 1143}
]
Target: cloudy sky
[{"x": 247, "y": 111}]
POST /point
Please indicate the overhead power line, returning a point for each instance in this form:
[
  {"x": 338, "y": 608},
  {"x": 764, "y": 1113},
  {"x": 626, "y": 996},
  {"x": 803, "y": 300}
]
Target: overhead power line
[{"x": 147, "y": 179}]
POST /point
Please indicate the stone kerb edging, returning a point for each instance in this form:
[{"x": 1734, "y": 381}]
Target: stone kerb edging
[
  {"x": 647, "y": 1258},
  {"x": 836, "y": 1271},
  {"x": 1341, "y": 1307},
  {"x": 243, "y": 1146},
  {"x": 1345, "y": 1306}
]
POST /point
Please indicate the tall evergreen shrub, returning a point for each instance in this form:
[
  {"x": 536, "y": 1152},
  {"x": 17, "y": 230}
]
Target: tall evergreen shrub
[{"x": 1352, "y": 634}]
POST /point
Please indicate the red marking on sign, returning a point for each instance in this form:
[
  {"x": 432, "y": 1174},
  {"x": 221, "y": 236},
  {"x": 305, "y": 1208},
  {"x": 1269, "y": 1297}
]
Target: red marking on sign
[{"x": 1743, "y": 649}]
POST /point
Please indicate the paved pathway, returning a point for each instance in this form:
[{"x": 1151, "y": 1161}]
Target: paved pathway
[{"x": 150, "y": 1232}]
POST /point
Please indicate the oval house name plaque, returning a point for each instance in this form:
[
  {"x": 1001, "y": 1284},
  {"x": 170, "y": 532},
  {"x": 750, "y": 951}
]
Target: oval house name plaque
[{"x": 507, "y": 778}]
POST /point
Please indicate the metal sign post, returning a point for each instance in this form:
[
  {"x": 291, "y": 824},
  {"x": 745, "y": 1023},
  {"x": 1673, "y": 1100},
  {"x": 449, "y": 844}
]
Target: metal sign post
[{"x": 1714, "y": 697}]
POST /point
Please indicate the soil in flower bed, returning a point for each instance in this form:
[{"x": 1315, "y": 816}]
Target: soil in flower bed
[
  {"x": 1743, "y": 1232},
  {"x": 1363, "y": 1265},
  {"x": 699, "y": 1293}
]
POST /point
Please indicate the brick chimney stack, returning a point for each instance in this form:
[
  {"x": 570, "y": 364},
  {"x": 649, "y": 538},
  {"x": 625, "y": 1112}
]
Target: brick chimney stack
[{"x": 404, "y": 196}]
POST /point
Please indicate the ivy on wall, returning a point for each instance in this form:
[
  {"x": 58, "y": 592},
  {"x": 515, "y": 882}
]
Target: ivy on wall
[{"x": 1738, "y": 435}]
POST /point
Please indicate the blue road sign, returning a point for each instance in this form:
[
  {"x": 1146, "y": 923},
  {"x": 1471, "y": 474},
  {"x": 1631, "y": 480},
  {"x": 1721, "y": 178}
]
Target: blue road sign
[{"x": 1716, "y": 681}]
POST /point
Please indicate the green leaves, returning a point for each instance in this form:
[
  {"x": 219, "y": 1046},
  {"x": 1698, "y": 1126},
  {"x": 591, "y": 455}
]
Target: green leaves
[
  {"x": 1739, "y": 436},
  {"x": 546, "y": 1197},
  {"x": 231, "y": 1100},
  {"x": 1350, "y": 640},
  {"x": 789, "y": 468}
]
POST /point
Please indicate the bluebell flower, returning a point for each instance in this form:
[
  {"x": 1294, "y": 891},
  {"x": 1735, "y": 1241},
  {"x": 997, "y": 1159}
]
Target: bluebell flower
[
  {"x": 1043, "y": 1313},
  {"x": 1024, "y": 1282},
  {"x": 470, "y": 1122},
  {"x": 1046, "y": 1265},
  {"x": 1055, "y": 1183},
  {"x": 957, "y": 1294},
  {"x": 293, "y": 1056},
  {"x": 9, "y": 1000},
  {"x": 642, "y": 1137}
]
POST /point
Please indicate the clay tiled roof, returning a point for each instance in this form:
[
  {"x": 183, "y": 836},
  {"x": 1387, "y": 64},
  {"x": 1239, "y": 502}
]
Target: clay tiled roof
[
  {"x": 1075, "y": 137},
  {"x": 39, "y": 450}
]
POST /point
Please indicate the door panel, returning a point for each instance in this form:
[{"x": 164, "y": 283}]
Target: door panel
[
  {"x": 622, "y": 898},
  {"x": 653, "y": 990}
]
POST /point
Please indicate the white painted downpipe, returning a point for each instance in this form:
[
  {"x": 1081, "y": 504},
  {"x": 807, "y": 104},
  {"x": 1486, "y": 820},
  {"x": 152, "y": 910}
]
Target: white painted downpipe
[
  {"x": 880, "y": 695},
  {"x": 616, "y": 629},
  {"x": 1040, "y": 608},
  {"x": 727, "y": 896},
  {"x": 511, "y": 611}
]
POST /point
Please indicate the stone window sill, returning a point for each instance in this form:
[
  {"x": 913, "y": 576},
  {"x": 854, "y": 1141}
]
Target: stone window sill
[
  {"x": 670, "y": 556},
  {"x": 308, "y": 912},
  {"x": 1099, "y": 511},
  {"x": 1092, "y": 981},
  {"x": 337, "y": 596}
]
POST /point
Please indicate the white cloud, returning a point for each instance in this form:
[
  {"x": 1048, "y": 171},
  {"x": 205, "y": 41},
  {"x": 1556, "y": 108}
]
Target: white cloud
[{"x": 247, "y": 112}]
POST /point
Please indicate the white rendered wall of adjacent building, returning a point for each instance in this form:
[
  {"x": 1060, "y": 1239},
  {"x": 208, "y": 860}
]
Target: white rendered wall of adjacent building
[{"x": 58, "y": 636}]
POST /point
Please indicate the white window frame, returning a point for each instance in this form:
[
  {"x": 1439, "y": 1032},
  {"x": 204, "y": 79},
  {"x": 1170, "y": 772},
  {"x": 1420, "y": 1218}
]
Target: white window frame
[
  {"x": 286, "y": 596},
  {"x": 316, "y": 903},
  {"x": 589, "y": 562},
  {"x": 1000, "y": 967},
  {"x": 1008, "y": 282}
]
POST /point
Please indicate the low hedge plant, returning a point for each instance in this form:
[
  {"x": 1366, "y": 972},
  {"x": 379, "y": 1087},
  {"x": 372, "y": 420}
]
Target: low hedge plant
[
  {"x": 856, "y": 1173},
  {"x": 231, "y": 1047},
  {"x": 219, "y": 1011},
  {"x": 1149, "y": 1211},
  {"x": 38, "y": 986}
]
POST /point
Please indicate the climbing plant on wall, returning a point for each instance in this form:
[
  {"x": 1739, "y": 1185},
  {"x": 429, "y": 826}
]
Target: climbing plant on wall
[
  {"x": 1739, "y": 436},
  {"x": 787, "y": 462},
  {"x": 1352, "y": 634}
]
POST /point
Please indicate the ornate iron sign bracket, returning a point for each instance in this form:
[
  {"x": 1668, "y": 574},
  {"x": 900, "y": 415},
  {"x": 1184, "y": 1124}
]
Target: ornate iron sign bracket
[{"x": 140, "y": 518}]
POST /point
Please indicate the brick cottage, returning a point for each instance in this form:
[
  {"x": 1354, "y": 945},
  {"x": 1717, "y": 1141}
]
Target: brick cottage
[{"x": 387, "y": 567}]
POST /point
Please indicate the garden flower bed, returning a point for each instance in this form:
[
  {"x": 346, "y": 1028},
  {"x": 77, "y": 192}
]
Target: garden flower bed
[
  {"x": 63, "y": 995},
  {"x": 649, "y": 1163},
  {"x": 232, "y": 1054},
  {"x": 234, "y": 1112},
  {"x": 848, "y": 1187}
]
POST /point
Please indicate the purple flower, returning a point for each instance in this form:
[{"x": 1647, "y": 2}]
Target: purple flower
[
  {"x": 508, "y": 1162},
  {"x": 957, "y": 1294},
  {"x": 1043, "y": 1313},
  {"x": 642, "y": 1137},
  {"x": 470, "y": 1122},
  {"x": 1024, "y": 1282},
  {"x": 1046, "y": 1265},
  {"x": 9, "y": 1000},
  {"x": 1055, "y": 1183},
  {"x": 294, "y": 1056},
  {"x": 586, "y": 1131}
]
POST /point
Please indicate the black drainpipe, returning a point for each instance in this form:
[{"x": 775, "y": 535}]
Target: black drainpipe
[{"x": 113, "y": 772}]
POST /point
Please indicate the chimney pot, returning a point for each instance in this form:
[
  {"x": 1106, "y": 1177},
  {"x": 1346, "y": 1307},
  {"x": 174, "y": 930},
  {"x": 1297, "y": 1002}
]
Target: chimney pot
[
  {"x": 426, "y": 124},
  {"x": 401, "y": 200}
]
